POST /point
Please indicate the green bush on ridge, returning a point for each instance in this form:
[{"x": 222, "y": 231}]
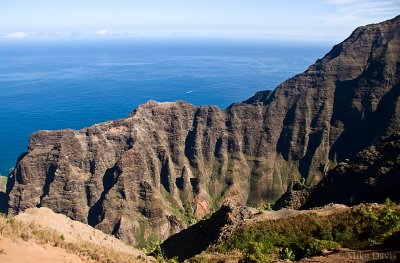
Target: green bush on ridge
[{"x": 309, "y": 234}]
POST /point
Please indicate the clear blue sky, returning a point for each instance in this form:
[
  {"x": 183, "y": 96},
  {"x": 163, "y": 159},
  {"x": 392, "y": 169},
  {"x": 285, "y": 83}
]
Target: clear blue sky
[{"x": 308, "y": 19}]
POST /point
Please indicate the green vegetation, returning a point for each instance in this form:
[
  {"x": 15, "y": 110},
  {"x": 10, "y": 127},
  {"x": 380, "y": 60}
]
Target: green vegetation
[
  {"x": 146, "y": 240},
  {"x": 188, "y": 214},
  {"x": 254, "y": 253},
  {"x": 302, "y": 180},
  {"x": 309, "y": 234},
  {"x": 266, "y": 207},
  {"x": 153, "y": 249}
]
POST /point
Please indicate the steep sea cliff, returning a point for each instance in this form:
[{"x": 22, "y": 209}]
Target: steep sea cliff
[{"x": 168, "y": 163}]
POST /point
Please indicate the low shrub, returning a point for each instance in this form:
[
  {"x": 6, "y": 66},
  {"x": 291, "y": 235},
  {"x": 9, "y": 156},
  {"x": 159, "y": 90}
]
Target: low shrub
[
  {"x": 310, "y": 233},
  {"x": 255, "y": 253},
  {"x": 316, "y": 247}
]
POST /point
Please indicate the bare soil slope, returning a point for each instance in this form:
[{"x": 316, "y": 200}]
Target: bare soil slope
[
  {"x": 19, "y": 251},
  {"x": 74, "y": 231},
  {"x": 40, "y": 235}
]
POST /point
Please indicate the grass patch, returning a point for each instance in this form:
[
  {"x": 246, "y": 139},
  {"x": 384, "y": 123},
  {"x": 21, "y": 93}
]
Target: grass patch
[
  {"x": 188, "y": 214},
  {"x": 309, "y": 234}
]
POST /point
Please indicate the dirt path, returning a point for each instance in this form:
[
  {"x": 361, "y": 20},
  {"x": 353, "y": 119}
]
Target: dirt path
[
  {"x": 357, "y": 256},
  {"x": 286, "y": 213}
]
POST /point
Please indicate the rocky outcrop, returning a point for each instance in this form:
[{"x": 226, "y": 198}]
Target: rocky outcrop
[
  {"x": 294, "y": 198},
  {"x": 3, "y": 182},
  {"x": 198, "y": 237},
  {"x": 151, "y": 172},
  {"x": 3, "y": 196},
  {"x": 370, "y": 177}
]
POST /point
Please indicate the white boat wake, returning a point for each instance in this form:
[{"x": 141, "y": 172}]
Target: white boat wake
[{"x": 190, "y": 91}]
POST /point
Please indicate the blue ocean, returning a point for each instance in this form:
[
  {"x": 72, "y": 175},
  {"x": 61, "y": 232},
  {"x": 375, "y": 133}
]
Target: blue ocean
[{"x": 74, "y": 83}]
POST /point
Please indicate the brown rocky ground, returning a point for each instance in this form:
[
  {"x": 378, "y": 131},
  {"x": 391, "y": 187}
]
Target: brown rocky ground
[
  {"x": 74, "y": 231},
  {"x": 19, "y": 251},
  {"x": 358, "y": 256},
  {"x": 343, "y": 256},
  {"x": 40, "y": 235}
]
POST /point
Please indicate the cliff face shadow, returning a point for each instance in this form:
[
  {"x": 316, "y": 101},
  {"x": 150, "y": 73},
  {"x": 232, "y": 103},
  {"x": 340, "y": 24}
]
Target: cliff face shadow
[
  {"x": 313, "y": 144},
  {"x": 50, "y": 176},
  {"x": 196, "y": 238},
  {"x": 96, "y": 212},
  {"x": 3, "y": 203},
  {"x": 362, "y": 128},
  {"x": 164, "y": 176}
]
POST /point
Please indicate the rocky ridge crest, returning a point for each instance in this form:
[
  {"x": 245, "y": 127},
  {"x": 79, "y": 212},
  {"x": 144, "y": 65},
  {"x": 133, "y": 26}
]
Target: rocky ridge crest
[
  {"x": 371, "y": 176},
  {"x": 152, "y": 172}
]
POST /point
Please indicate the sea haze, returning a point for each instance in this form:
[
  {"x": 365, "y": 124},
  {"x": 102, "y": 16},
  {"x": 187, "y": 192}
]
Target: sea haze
[{"x": 74, "y": 83}]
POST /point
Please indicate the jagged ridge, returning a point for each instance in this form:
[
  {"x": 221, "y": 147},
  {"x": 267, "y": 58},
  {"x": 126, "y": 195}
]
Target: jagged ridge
[
  {"x": 371, "y": 176},
  {"x": 166, "y": 161}
]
